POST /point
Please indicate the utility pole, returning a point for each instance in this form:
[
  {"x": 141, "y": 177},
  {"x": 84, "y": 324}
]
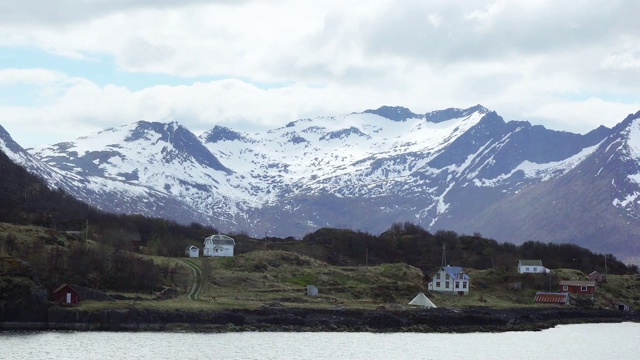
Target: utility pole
[
  {"x": 444, "y": 256},
  {"x": 366, "y": 257}
]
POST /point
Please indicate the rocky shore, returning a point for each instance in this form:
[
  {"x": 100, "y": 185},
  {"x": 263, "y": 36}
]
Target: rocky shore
[{"x": 473, "y": 319}]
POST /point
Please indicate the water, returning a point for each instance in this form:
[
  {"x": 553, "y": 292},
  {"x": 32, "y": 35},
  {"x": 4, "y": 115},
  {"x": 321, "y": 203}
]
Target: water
[{"x": 588, "y": 341}]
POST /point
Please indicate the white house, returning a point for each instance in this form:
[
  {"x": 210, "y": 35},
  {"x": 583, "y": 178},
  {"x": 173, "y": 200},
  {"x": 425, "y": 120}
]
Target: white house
[
  {"x": 192, "y": 251},
  {"x": 531, "y": 266},
  {"x": 450, "y": 279},
  {"x": 218, "y": 245}
]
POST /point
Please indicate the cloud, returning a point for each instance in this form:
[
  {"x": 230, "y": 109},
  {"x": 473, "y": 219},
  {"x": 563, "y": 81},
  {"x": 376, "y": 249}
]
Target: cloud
[
  {"x": 66, "y": 11},
  {"x": 259, "y": 64},
  {"x": 79, "y": 106},
  {"x": 585, "y": 115}
]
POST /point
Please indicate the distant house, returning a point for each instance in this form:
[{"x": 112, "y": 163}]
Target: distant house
[
  {"x": 531, "y": 266},
  {"x": 578, "y": 287},
  {"x": 65, "y": 295},
  {"x": 218, "y": 245},
  {"x": 597, "y": 277},
  {"x": 622, "y": 306},
  {"x": 450, "y": 279},
  {"x": 552, "y": 298},
  {"x": 192, "y": 251}
]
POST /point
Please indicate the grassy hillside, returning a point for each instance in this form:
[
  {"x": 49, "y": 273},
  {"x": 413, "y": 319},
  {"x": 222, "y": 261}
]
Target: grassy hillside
[{"x": 262, "y": 277}]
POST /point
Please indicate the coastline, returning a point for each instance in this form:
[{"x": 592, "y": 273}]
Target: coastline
[{"x": 441, "y": 320}]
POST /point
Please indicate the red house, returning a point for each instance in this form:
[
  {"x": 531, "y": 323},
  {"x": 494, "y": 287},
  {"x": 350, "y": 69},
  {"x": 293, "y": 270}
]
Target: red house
[
  {"x": 578, "y": 287},
  {"x": 65, "y": 295}
]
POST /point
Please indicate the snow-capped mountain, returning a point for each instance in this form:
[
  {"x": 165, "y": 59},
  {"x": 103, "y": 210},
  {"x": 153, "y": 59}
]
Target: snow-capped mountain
[{"x": 456, "y": 169}]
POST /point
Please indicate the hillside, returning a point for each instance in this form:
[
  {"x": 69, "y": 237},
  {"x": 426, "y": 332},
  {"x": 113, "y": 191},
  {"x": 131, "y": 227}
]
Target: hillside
[
  {"x": 466, "y": 170},
  {"x": 36, "y": 260}
]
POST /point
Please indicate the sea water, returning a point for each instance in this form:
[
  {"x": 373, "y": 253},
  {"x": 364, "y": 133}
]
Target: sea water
[{"x": 585, "y": 341}]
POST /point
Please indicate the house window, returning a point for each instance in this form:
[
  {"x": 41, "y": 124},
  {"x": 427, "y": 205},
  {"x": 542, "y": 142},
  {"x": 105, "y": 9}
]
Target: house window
[
  {"x": 583, "y": 288},
  {"x": 535, "y": 269},
  {"x": 457, "y": 285},
  {"x": 446, "y": 284},
  {"x": 438, "y": 276},
  {"x": 565, "y": 287},
  {"x": 464, "y": 284},
  {"x": 447, "y": 276},
  {"x": 527, "y": 269},
  {"x": 438, "y": 284}
]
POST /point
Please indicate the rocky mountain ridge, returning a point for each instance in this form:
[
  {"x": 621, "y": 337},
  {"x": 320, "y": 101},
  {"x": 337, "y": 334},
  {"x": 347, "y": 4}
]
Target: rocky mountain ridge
[{"x": 465, "y": 170}]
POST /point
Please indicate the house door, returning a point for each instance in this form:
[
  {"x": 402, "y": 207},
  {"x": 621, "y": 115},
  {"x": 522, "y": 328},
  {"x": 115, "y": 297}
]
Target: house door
[{"x": 68, "y": 298}]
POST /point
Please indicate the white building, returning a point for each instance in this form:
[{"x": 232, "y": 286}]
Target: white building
[
  {"x": 218, "y": 245},
  {"x": 531, "y": 266},
  {"x": 450, "y": 279},
  {"x": 423, "y": 301},
  {"x": 192, "y": 251}
]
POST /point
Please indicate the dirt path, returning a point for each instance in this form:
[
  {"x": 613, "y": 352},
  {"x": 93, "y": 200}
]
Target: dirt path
[{"x": 196, "y": 284}]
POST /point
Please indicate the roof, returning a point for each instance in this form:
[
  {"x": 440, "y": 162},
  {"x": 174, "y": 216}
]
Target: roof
[
  {"x": 453, "y": 271},
  {"x": 62, "y": 287},
  {"x": 530, "y": 262},
  {"x": 192, "y": 247},
  {"x": 551, "y": 298},
  {"x": 578, "y": 282},
  {"x": 219, "y": 239},
  {"x": 594, "y": 272}
]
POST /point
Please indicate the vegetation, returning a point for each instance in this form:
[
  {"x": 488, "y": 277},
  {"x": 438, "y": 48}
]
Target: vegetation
[{"x": 133, "y": 254}]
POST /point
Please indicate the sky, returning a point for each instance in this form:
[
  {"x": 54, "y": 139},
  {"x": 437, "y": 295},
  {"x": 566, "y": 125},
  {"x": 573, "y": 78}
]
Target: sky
[{"x": 72, "y": 67}]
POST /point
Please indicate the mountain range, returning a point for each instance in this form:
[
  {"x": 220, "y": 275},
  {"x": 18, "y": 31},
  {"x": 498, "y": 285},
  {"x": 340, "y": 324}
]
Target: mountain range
[{"x": 465, "y": 170}]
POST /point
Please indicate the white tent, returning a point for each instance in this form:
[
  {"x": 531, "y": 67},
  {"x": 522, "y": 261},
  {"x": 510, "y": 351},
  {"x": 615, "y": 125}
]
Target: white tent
[{"x": 422, "y": 300}]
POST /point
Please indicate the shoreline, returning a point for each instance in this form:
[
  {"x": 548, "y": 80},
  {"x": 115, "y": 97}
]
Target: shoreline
[{"x": 440, "y": 320}]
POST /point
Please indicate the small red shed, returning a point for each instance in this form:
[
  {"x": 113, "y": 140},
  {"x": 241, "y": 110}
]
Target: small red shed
[
  {"x": 65, "y": 295},
  {"x": 578, "y": 287},
  {"x": 552, "y": 298}
]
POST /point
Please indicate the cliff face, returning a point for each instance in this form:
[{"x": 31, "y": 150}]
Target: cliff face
[{"x": 22, "y": 299}]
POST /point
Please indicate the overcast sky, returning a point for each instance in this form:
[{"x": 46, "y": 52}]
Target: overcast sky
[{"x": 71, "y": 67}]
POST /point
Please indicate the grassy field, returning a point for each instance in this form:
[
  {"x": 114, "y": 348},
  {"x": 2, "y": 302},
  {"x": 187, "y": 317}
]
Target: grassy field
[
  {"x": 265, "y": 278},
  {"x": 279, "y": 278}
]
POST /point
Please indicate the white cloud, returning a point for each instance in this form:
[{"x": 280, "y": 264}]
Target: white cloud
[
  {"x": 569, "y": 64},
  {"x": 584, "y": 115},
  {"x": 28, "y": 76}
]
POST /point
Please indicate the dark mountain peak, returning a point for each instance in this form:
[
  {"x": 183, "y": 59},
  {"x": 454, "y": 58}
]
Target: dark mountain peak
[
  {"x": 143, "y": 129},
  {"x": 395, "y": 113},
  {"x": 628, "y": 121},
  {"x": 453, "y": 113},
  {"x": 3, "y": 133},
  {"x": 221, "y": 133},
  {"x": 9, "y": 142},
  {"x": 598, "y": 134},
  {"x": 184, "y": 142}
]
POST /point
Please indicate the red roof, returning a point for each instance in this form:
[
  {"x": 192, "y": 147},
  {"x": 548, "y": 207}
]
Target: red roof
[
  {"x": 551, "y": 298},
  {"x": 62, "y": 287}
]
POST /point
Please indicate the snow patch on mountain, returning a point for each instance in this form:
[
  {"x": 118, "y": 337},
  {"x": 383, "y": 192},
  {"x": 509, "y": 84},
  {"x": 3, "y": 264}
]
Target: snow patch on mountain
[{"x": 543, "y": 172}]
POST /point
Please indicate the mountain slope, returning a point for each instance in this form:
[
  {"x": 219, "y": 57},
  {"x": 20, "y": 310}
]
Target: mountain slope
[{"x": 456, "y": 169}]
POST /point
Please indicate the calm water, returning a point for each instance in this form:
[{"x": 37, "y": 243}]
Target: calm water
[{"x": 591, "y": 341}]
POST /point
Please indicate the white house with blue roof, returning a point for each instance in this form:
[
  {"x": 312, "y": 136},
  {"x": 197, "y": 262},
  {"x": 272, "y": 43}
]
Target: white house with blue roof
[{"x": 451, "y": 280}]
